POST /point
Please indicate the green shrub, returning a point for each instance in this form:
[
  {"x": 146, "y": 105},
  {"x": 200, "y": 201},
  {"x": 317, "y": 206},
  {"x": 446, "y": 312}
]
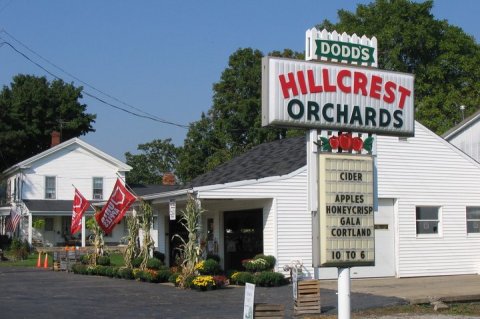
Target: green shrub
[
  {"x": 139, "y": 274},
  {"x": 271, "y": 261},
  {"x": 160, "y": 256},
  {"x": 173, "y": 278},
  {"x": 79, "y": 268},
  {"x": 103, "y": 261},
  {"x": 240, "y": 278},
  {"x": 164, "y": 275},
  {"x": 136, "y": 262},
  {"x": 125, "y": 273},
  {"x": 269, "y": 279},
  {"x": 210, "y": 267},
  {"x": 154, "y": 263},
  {"x": 85, "y": 259},
  {"x": 20, "y": 249},
  {"x": 111, "y": 271}
]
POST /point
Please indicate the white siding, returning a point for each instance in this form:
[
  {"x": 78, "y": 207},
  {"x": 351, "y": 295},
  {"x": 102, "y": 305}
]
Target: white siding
[
  {"x": 72, "y": 165},
  {"x": 468, "y": 140},
  {"x": 426, "y": 170},
  {"x": 288, "y": 236}
]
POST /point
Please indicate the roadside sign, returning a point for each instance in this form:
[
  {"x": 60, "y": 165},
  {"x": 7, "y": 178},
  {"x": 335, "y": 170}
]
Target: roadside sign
[
  {"x": 346, "y": 198},
  {"x": 249, "y": 301},
  {"x": 172, "y": 209}
]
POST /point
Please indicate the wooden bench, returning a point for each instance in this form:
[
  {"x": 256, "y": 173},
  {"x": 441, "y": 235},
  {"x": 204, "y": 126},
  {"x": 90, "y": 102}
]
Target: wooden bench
[{"x": 263, "y": 310}]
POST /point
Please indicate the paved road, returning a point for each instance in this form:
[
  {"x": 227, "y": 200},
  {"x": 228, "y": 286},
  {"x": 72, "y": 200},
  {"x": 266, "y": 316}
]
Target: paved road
[{"x": 38, "y": 293}]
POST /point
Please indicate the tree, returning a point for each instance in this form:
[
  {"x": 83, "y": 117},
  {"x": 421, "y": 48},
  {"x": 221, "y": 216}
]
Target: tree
[
  {"x": 443, "y": 58},
  {"x": 233, "y": 123},
  {"x": 31, "y": 108},
  {"x": 157, "y": 158}
]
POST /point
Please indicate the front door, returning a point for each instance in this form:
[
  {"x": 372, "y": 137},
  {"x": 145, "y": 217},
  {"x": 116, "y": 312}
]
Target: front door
[{"x": 243, "y": 234}]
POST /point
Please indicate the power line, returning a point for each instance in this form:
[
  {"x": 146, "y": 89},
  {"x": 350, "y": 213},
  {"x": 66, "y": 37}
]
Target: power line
[
  {"x": 74, "y": 77},
  {"x": 145, "y": 115}
]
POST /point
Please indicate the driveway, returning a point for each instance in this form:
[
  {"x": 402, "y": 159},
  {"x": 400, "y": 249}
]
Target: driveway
[{"x": 39, "y": 293}]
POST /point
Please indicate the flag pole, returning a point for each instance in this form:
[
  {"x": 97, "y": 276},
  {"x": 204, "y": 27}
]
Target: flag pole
[
  {"x": 93, "y": 207},
  {"x": 126, "y": 185}
]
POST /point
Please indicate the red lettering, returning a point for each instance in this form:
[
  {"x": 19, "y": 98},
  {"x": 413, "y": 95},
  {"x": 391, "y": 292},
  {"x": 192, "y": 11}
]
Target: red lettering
[
  {"x": 375, "y": 87},
  {"x": 341, "y": 75},
  {"x": 326, "y": 82},
  {"x": 360, "y": 83},
  {"x": 404, "y": 92},
  {"x": 389, "y": 95},
  {"x": 301, "y": 82},
  {"x": 288, "y": 85},
  {"x": 311, "y": 83}
]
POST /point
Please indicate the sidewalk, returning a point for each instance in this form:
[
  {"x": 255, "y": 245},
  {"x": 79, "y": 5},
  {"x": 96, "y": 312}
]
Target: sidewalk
[{"x": 418, "y": 289}]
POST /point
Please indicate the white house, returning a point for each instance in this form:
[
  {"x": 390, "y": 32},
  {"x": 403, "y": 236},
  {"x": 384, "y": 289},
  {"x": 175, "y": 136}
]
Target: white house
[
  {"x": 466, "y": 136},
  {"x": 427, "y": 216},
  {"x": 42, "y": 187}
]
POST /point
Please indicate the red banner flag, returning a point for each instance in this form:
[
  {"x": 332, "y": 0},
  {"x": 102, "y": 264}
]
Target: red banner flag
[
  {"x": 80, "y": 205},
  {"x": 118, "y": 203}
]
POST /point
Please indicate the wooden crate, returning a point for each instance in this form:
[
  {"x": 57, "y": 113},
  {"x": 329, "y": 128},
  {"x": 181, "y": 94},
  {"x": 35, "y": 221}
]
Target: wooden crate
[
  {"x": 308, "y": 297},
  {"x": 263, "y": 310}
]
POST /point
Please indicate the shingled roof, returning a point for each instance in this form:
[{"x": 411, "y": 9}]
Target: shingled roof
[{"x": 276, "y": 158}]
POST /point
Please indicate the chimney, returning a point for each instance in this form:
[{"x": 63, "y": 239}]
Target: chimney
[
  {"x": 55, "y": 138},
  {"x": 168, "y": 179}
]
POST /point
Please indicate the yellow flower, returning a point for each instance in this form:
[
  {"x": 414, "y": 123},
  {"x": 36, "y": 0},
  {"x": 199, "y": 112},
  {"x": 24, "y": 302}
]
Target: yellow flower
[
  {"x": 200, "y": 266},
  {"x": 203, "y": 281}
]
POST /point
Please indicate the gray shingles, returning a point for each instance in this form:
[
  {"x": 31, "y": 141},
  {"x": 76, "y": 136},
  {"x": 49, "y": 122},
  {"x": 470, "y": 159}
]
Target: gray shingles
[{"x": 276, "y": 158}]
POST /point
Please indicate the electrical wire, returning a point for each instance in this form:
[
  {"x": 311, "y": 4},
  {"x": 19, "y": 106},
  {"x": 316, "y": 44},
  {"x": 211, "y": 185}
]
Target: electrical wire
[
  {"x": 148, "y": 116},
  {"x": 76, "y": 78}
]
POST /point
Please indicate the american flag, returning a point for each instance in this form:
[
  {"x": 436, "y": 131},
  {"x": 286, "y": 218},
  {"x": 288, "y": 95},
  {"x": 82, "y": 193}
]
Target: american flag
[{"x": 12, "y": 222}]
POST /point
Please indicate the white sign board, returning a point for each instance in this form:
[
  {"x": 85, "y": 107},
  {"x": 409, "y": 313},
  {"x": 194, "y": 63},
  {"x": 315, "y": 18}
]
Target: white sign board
[
  {"x": 340, "y": 97},
  {"x": 172, "y": 209},
  {"x": 249, "y": 301},
  {"x": 346, "y": 204}
]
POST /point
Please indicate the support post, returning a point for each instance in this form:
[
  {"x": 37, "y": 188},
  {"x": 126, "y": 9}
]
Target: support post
[
  {"x": 344, "y": 293},
  {"x": 83, "y": 230}
]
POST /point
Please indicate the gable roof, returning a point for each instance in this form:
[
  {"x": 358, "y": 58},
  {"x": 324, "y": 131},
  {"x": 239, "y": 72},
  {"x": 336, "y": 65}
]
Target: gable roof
[
  {"x": 275, "y": 158},
  {"x": 463, "y": 125},
  {"x": 95, "y": 151}
]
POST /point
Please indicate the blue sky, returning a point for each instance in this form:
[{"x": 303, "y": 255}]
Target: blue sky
[{"x": 161, "y": 57}]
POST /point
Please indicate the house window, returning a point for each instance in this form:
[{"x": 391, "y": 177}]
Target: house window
[
  {"x": 427, "y": 220},
  {"x": 50, "y": 187},
  {"x": 473, "y": 220},
  {"x": 97, "y": 188}
]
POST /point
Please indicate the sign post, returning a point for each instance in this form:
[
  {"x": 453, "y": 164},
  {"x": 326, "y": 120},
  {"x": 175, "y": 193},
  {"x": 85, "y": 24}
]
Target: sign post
[{"x": 339, "y": 90}]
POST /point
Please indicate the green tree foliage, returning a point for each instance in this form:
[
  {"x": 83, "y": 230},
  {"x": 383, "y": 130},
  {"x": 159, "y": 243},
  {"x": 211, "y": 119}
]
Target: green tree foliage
[
  {"x": 157, "y": 157},
  {"x": 443, "y": 58},
  {"x": 31, "y": 108},
  {"x": 233, "y": 124}
]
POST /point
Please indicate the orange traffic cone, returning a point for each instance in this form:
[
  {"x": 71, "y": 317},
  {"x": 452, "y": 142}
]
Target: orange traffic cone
[
  {"x": 45, "y": 263},
  {"x": 39, "y": 261}
]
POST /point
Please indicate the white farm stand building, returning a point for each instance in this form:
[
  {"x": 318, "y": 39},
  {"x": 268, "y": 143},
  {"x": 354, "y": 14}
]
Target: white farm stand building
[{"x": 257, "y": 203}]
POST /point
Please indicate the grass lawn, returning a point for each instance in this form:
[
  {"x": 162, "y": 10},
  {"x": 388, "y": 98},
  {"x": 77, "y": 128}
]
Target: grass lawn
[{"x": 116, "y": 259}]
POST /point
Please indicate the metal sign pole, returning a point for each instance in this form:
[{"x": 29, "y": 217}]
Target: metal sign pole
[{"x": 343, "y": 293}]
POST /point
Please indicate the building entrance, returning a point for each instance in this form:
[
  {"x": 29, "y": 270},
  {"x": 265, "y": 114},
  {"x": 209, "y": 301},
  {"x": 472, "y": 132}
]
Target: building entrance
[{"x": 243, "y": 233}]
